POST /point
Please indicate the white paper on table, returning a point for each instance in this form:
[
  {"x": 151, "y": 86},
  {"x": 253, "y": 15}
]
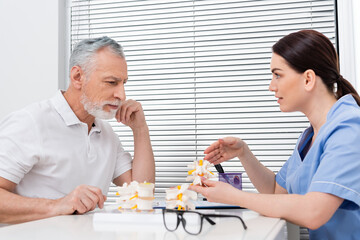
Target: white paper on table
[{"x": 128, "y": 221}]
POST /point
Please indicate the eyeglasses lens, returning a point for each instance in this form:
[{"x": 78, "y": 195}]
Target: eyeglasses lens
[
  {"x": 192, "y": 222},
  {"x": 170, "y": 220}
]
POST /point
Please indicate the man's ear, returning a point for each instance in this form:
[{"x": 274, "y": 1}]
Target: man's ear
[
  {"x": 309, "y": 79},
  {"x": 77, "y": 77}
]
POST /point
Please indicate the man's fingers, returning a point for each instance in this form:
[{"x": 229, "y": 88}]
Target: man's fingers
[
  {"x": 92, "y": 199},
  {"x": 130, "y": 110},
  {"x": 87, "y": 197},
  {"x": 101, "y": 201},
  {"x": 125, "y": 111},
  {"x": 131, "y": 114},
  {"x": 122, "y": 112},
  {"x": 87, "y": 202},
  {"x": 101, "y": 204},
  {"x": 82, "y": 199},
  {"x": 117, "y": 115},
  {"x": 79, "y": 207},
  {"x": 97, "y": 197}
]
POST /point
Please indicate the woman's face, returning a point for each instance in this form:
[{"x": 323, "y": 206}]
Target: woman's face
[{"x": 287, "y": 84}]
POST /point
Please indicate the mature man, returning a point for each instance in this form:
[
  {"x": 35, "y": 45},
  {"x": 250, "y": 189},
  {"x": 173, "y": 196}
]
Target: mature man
[{"x": 57, "y": 156}]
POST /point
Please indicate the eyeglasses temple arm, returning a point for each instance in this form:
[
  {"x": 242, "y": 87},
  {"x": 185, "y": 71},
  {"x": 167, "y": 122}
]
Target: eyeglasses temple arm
[
  {"x": 209, "y": 220},
  {"x": 228, "y": 216}
]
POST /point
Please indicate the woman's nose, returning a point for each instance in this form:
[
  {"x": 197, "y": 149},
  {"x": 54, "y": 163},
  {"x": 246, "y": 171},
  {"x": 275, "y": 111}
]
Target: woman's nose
[{"x": 272, "y": 86}]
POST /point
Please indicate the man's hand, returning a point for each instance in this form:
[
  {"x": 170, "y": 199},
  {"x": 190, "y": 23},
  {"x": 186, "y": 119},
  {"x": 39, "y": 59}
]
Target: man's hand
[
  {"x": 82, "y": 199},
  {"x": 131, "y": 114}
]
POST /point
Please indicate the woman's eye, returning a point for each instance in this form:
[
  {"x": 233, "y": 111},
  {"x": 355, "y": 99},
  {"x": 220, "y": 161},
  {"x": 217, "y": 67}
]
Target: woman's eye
[{"x": 276, "y": 75}]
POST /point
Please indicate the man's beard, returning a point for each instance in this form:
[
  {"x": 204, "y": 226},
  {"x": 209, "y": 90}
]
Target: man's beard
[{"x": 97, "y": 109}]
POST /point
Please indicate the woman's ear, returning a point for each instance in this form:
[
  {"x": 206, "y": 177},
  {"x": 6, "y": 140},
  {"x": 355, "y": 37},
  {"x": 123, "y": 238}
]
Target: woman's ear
[
  {"x": 309, "y": 79},
  {"x": 77, "y": 77}
]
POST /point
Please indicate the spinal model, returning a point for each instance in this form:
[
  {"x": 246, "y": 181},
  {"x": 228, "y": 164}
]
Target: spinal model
[
  {"x": 139, "y": 196},
  {"x": 199, "y": 169},
  {"x": 178, "y": 197}
]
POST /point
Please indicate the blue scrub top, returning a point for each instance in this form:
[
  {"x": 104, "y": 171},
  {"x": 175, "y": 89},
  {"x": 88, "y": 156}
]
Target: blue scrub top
[{"x": 332, "y": 165}]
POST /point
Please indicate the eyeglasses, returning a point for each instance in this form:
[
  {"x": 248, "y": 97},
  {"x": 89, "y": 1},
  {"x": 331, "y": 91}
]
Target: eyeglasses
[{"x": 192, "y": 221}]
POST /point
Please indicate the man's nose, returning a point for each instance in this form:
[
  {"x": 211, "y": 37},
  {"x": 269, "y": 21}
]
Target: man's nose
[{"x": 120, "y": 92}]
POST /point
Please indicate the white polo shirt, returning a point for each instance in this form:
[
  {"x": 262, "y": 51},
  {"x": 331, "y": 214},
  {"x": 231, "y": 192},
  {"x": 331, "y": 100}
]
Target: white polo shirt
[{"x": 47, "y": 151}]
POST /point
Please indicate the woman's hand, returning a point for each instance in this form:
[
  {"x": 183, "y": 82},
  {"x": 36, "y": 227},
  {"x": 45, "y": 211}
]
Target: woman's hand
[
  {"x": 224, "y": 149},
  {"x": 216, "y": 191}
]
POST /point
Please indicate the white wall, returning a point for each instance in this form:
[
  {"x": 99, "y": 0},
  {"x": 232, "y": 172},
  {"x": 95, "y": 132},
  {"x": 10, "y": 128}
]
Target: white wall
[
  {"x": 31, "y": 52},
  {"x": 356, "y": 28},
  {"x": 349, "y": 40}
]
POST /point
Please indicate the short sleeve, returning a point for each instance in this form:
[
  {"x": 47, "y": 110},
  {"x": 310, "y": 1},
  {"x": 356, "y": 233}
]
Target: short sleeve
[
  {"x": 123, "y": 161},
  {"x": 339, "y": 169},
  {"x": 19, "y": 145}
]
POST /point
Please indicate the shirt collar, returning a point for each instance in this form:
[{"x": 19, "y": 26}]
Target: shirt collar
[
  {"x": 348, "y": 99},
  {"x": 64, "y": 110},
  {"x": 68, "y": 115}
]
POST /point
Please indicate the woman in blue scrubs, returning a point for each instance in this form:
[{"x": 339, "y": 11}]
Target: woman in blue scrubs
[{"x": 319, "y": 186}]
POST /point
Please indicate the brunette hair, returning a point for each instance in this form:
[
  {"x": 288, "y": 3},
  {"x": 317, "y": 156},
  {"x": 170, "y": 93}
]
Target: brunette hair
[{"x": 309, "y": 49}]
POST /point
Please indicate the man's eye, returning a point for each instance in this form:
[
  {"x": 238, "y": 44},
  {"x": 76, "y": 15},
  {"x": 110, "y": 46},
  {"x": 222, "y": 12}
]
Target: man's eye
[{"x": 112, "y": 82}]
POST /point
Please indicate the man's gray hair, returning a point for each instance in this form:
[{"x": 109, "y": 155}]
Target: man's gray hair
[{"x": 85, "y": 50}]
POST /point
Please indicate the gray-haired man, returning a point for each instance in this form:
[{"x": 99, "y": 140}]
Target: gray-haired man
[{"x": 58, "y": 156}]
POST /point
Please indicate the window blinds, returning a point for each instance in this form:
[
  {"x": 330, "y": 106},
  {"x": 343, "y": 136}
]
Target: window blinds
[{"x": 201, "y": 71}]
